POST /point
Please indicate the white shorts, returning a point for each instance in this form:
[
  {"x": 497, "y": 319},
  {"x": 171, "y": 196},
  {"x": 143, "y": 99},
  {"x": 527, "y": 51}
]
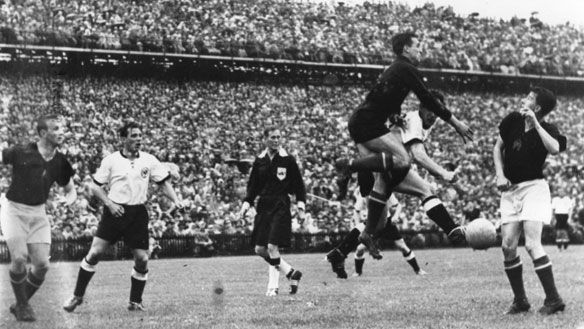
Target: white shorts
[
  {"x": 29, "y": 223},
  {"x": 530, "y": 200}
]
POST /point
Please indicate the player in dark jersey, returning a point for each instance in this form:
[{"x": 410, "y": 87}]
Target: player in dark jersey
[
  {"x": 35, "y": 167},
  {"x": 522, "y": 146},
  {"x": 383, "y": 152},
  {"x": 274, "y": 175}
]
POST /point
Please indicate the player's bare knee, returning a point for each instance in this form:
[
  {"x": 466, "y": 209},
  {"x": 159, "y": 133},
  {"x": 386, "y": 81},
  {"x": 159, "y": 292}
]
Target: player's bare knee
[
  {"x": 272, "y": 248},
  {"x": 19, "y": 264},
  {"x": 531, "y": 245},
  {"x": 402, "y": 162},
  {"x": 261, "y": 251},
  {"x": 509, "y": 249}
]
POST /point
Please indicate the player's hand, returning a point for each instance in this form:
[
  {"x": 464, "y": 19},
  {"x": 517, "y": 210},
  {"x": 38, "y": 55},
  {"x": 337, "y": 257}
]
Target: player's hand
[
  {"x": 244, "y": 208},
  {"x": 529, "y": 115},
  {"x": 449, "y": 176},
  {"x": 116, "y": 209},
  {"x": 503, "y": 184},
  {"x": 462, "y": 129}
]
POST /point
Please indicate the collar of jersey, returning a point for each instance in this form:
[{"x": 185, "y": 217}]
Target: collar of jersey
[
  {"x": 123, "y": 155},
  {"x": 281, "y": 152}
]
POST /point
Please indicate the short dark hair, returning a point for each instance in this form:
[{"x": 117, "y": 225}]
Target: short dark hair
[
  {"x": 269, "y": 129},
  {"x": 545, "y": 98},
  {"x": 42, "y": 122},
  {"x": 400, "y": 40},
  {"x": 127, "y": 127}
]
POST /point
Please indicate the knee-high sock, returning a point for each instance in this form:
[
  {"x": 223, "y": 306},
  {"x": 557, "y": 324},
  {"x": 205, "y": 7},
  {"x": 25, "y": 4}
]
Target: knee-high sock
[
  {"x": 410, "y": 257},
  {"x": 514, "y": 271},
  {"x": 86, "y": 272},
  {"x": 436, "y": 211},
  {"x": 17, "y": 281},
  {"x": 285, "y": 268},
  {"x": 543, "y": 268},
  {"x": 32, "y": 284},
  {"x": 359, "y": 261},
  {"x": 375, "y": 206},
  {"x": 139, "y": 278},
  {"x": 378, "y": 162},
  {"x": 350, "y": 242},
  {"x": 273, "y": 277}
]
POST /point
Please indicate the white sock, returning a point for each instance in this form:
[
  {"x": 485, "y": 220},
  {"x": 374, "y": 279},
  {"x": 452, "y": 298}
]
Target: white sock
[
  {"x": 284, "y": 266},
  {"x": 273, "y": 277}
]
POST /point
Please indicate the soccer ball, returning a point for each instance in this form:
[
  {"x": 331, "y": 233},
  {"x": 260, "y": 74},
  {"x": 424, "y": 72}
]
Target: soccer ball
[{"x": 480, "y": 234}]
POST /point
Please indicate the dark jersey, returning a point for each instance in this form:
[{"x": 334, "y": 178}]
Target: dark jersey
[
  {"x": 277, "y": 177},
  {"x": 390, "y": 90},
  {"x": 523, "y": 151},
  {"x": 32, "y": 176}
]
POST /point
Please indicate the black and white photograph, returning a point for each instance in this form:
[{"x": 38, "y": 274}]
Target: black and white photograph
[{"x": 296, "y": 164}]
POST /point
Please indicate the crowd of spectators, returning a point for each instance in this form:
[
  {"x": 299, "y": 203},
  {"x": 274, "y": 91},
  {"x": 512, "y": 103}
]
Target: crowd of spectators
[
  {"x": 213, "y": 131},
  {"x": 331, "y": 31}
]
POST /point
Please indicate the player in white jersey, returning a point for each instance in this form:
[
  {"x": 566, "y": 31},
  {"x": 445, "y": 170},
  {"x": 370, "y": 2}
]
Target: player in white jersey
[
  {"x": 562, "y": 206},
  {"x": 128, "y": 173},
  {"x": 390, "y": 232},
  {"x": 414, "y": 130}
]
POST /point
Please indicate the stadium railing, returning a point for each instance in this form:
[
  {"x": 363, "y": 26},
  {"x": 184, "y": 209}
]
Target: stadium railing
[{"x": 239, "y": 244}]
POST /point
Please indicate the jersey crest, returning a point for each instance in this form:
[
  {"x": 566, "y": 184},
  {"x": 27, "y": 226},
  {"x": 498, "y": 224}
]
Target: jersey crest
[
  {"x": 281, "y": 173},
  {"x": 144, "y": 172}
]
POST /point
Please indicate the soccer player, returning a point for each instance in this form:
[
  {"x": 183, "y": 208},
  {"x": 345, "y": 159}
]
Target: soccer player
[
  {"x": 414, "y": 131},
  {"x": 128, "y": 173},
  {"x": 522, "y": 146},
  {"x": 274, "y": 175},
  {"x": 383, "y": 152},
  {"x": 389, "y": 231},
  {"x": 35, "y": 167},
  {"x": 562, "y": 206}
]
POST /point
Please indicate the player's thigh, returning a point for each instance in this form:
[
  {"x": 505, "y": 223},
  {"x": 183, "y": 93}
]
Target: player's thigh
[
  {"x": 415, "y": 185},
  {"x": 532, "y": 230},
  {"x": 390, "y": 143},
  {"x": 39, "y": 254},
  {"x": 510, "y": 233}
]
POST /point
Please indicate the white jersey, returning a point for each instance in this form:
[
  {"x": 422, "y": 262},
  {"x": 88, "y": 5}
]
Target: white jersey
[
  {"x": 129, "y": 179},
  {"x": 413, "y": 128},
  {"x": 562, "y": 205}
]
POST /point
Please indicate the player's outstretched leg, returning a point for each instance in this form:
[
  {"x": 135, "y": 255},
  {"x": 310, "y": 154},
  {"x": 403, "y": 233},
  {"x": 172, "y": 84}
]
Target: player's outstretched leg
[{"x": 337, "y": 256}]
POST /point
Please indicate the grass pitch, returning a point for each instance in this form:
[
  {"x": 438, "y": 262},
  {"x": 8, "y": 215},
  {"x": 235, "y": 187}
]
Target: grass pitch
[{"x": 464, "y": 289}]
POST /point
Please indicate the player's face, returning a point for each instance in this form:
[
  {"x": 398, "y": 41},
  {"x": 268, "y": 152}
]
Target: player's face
[
  {"x": 134, "y": 140},
  {"x": 428, "y": 117},
  {"x": 55, "y": 133},
  {"x": 414, "y": 52},
  {"x": 274, "y": 139},
  {"x": 529, "y": 101}
]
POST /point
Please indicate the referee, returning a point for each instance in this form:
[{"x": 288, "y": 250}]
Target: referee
[
  {"x": 273, "y": 177},
  {"x": 128, "y": 173}
]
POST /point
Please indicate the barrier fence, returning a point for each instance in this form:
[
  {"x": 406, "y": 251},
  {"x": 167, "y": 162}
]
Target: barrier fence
[{"x": 189, "y": 246}]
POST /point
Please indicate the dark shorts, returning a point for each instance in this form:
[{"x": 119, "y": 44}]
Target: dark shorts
[
  {"x": 366, "y": 180},
  {"x": 363, "y": 129},
  {"x": 273, "y": 222},
  {"x": 132, "y": 226},
  {"x": 390, "y": 232},
  {"x": 561, "y": 221}
]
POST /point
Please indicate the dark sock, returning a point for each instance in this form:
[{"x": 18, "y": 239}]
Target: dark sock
[
  {"x": 375, "y": 206},
  {"x": 514, "y": 271},
  {"x": 350, "y": 242},
  {"x": 565, "y": 245},
  {"x": 32, "y": 284},
  {"x": 543, "y": 268},
  {"x": 289, "y": 274},
  {"x": 359, "y": 265},
  {"x": 86, "y": 272},
  {"x": 411, "y": 259},
  {"x": 139, "y": 278},
  {"x": 18, "y": 280},
  {"x": 436, "y": 212},
  {"x": 397, "y": 176},
  {"x": 379, "y": 162}
]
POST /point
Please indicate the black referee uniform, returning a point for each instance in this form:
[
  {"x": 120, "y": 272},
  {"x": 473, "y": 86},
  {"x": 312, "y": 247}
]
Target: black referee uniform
[{"x": 273, "y": 180}]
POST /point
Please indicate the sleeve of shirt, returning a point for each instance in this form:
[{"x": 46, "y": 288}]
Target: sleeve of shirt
[
  {"x": 103, "y": 173},
  {"x": 65, "y": 173},
  {"x": 413, "y": 130},
  {"x": 8, "y": 155},
  {"x": 253, "y": 186},
  {"x": 297, "y": 181},
  {"x": 159, "y": 173},
  {"x": 413, "y": 80},
  {"x": 555, "y": 133}
]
